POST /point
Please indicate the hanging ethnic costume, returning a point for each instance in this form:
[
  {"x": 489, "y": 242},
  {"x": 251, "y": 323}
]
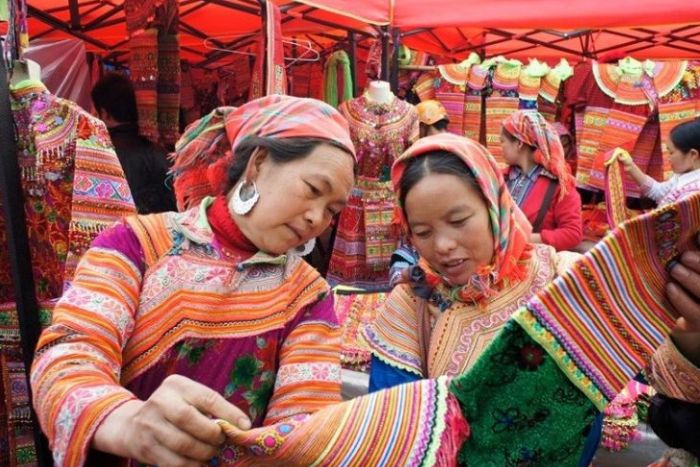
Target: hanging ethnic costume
[
  {"x": 73, "y": 188},
  {"x": 365, "y": 237}
]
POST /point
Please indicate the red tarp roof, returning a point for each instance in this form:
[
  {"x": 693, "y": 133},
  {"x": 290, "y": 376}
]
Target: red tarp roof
[{"x": 449, "y": 28}]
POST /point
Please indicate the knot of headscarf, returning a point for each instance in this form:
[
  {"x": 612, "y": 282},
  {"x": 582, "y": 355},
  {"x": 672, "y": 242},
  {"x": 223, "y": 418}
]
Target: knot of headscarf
[
  {"x": 530, "y": 127},
  {"x": 205, "y": 150},
  {"x": 509, "y": 226}
]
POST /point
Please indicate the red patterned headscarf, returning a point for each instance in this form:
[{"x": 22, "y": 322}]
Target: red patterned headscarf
[
  {"x": 205, "y": 151},
  {"x": 509, "y": 225},
  {"x": 530, "y": 127}
]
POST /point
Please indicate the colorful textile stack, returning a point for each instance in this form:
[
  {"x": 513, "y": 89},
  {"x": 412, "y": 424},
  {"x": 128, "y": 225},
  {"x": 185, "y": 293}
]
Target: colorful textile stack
[
  {"x": 355, "y": 310},
  {"x": 73, "y": 188}
]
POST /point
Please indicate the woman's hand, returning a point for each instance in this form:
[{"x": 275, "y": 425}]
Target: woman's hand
[
  {"x": 535, "y": 238},
  {"x": 174, "y": 427},
  {"x": 684, "y": 294}
]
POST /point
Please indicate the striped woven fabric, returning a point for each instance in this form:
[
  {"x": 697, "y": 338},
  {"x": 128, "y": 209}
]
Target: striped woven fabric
[
  {"x": 472, "y": 116},
  {"x": 621, "y": 128},
  {"x": 451, "y": 94},
  {"x": 602, "y": 300},
  {"x": 412, "y": 424},
  {"x": 497, "y": 109},
  {"x": 615, "y": 200},
  {"x": 425, "y": 86},
  {"x": 594, "y": 121}
]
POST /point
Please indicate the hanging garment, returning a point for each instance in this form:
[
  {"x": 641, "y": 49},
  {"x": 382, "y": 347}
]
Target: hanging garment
[
  {"x": 366, "y": 237},
  {"x": 451, "y": 91},
  {"x": 269, "y": 73},
  {"x": 155, "y": 67},
  {"x": 530, "y": 82},
  {"x": 330, "y": 78},
  {"x": 550, "y": 85},
  {"x": 502, "y": 102},
  {"x": 73, "y": 188},
  {"x": 630, "y": 86}
]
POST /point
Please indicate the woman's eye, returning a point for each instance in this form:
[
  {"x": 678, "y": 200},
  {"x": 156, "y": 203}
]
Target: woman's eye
[
  {"x": 459, "y": 221},
  {"x": 314, "y": 191},
  {"x": 422, "y": 234}
]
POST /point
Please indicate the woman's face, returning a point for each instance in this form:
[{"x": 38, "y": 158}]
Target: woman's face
[
  {"x": 298, "y": 199},
  {"x": 450, "y": 226},
  {"x": 681, "y": 162},
  {"x": 511, "y": 148}
]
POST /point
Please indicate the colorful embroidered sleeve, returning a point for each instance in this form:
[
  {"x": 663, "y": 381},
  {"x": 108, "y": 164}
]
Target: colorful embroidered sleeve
[
  {"x": 658, "y": 190},
  {"x": 101, "y": 194},
  {"x": 76, "y": 371},
  {"x": 308, "y": 377},
  {"x": 673, "y": 375}
]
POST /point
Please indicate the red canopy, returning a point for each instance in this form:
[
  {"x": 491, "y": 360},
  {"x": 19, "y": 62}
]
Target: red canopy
[{"x": 450, "y": 28}]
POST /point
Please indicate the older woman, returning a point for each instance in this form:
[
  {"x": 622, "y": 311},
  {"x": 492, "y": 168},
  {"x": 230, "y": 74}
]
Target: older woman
[
  {"x": 175, "y": 318},
  {"x": 477, "y": 265},
  {"x": 540, "y": 180}
]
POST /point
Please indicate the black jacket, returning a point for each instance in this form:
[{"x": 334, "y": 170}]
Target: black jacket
[{"x": 146, "y": 167}]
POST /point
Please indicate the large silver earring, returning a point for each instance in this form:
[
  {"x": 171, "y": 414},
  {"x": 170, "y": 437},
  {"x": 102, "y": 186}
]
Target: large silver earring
[
  {"x": 305, "y": 249},
  {"x": 242, "y": 206}
]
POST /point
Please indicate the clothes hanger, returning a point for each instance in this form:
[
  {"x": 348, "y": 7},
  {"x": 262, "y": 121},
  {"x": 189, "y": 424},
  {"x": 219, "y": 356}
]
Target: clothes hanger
[{"x": 306, "y": 46}]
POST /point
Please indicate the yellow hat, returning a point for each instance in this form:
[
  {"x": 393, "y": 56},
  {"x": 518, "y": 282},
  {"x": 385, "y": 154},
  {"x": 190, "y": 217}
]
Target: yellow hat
[{"x": 430, "y": 112}]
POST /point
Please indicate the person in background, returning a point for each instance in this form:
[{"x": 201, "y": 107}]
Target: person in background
[
  {"x": 540, "y": 180},
  {"x": 684, "y": 155},
  {"x": 145, "y": 164},
  {"x": 433, "y": 118}
]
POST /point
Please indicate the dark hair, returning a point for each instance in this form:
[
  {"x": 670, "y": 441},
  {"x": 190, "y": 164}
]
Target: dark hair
[
  {"x": 115, "y": 95},
  {"x": 441, "y": 124},
  {"x": 280, "y": 150},
  {"x": 686, "y": 136},
  {"x": 436, "y": 162}
]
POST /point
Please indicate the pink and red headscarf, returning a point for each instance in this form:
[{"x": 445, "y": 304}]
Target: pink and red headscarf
[
  {"x": 205, "y": 151},
  {"x": 509, "y": 226},
  {"x": 530, "y": 127}
]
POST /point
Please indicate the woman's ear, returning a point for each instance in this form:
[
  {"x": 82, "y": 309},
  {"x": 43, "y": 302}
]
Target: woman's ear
[
  {"x": 694, "y": 155},
  {"x": 257, "y": 159}
]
